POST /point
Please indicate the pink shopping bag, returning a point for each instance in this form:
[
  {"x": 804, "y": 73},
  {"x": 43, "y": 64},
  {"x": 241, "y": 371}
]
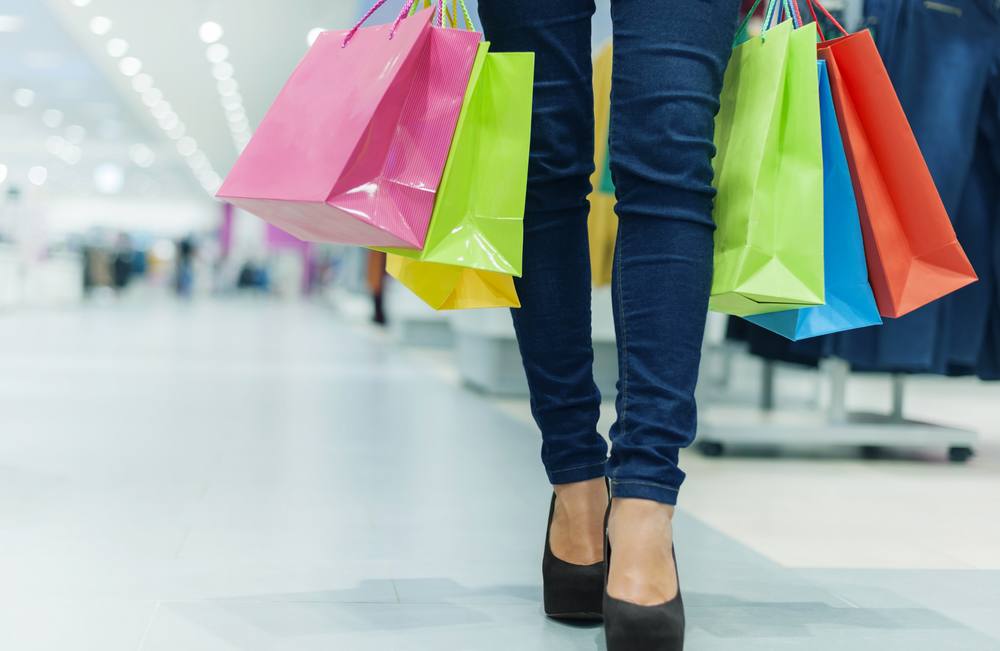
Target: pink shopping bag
[{"x": 353, "y": 148}]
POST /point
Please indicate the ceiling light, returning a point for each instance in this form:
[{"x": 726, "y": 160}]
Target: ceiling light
[
  {"x": 3, "y": 173},
  {"x": 217, "y": 53},
  {"x": 210, "y": 32},
  {"x": 52, "y": 118},
  {"x": 236, "y": 116},
  {"x": 161, "y": 109},
  {"x": 100, "y": 25},
  {"x": 152, "y": 97},
  {"x": 176, "y": 133},
  {"x": 55, "y": 145},
  {"x": 198, "y": 161},
  {"x": 187, "y": 146},
  {"x": 231, "y": 102},
  {"x": 75, "y": 133},
  {"x": 227, "y": 87},
  {"x": 222, "y": 70},
  {"x": 79, "y": 3},
  {"x": 72, "y": 154},
  {"x": 142, "y": 155},
  {"x": 109, "y": 178},
  {"x": 130, "y": 66},
  {"x": 313, "y": 35},
  {"x": 168, "y": 121},
  {"x": 37, "y": 175},
  {"x": 24, "y": 97},
  {"x": 117, "y": 47},
  {"x": 142, "y": 82},
  {"x": 11, "y": 23}
]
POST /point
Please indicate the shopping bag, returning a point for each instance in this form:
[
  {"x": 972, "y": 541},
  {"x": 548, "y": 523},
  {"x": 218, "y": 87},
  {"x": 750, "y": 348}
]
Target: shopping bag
[
  {"x": 478, "y": 219},
  {"x": 602, "y": 224},
  {"x": 913, "y": 254},
  {"x": 449, "y": 287},
  {"x": 849, "y": 300},
  {"x": 353, "y": 148},
  {"x": 769, "y": 176}
]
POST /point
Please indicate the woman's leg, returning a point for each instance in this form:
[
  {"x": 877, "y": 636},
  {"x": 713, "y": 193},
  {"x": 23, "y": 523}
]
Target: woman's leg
[
  {"x": 669, "y": 61},
  {"x": 553, "y": 324}
]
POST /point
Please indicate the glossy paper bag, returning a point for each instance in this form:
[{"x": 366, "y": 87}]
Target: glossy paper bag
[
  {"x": 478, "y": 219},
  {"x": 769, "y": 176},
  {"x": 448, "y": 287},
  {"x": 602, "y": 224},
  {"x": 913, "y": 254},
  {"x": 849, "y": 300},
  {"x": 353, "y": 148}
]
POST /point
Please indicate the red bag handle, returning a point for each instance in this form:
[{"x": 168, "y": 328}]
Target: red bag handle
[{"x": 812, "y": 10}]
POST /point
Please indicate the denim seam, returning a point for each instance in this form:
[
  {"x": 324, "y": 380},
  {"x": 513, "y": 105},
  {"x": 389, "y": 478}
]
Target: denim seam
[
  {"x": 586, "y": 465},
  {"x": 640, "y": 482},
  {"x": 624, "y": 351}
]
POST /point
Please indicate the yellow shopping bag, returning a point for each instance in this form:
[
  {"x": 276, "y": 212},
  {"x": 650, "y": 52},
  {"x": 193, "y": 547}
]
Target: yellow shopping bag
[
  {"x": 602, "y": 225},
  {"x": 449, "y": 287}
]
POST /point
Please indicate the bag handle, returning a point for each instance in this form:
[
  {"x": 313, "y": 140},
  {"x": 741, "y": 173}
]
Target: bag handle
[
  {"x": 770, "y": 14},
  {"x": 812, "y": 10},
  {"x": 395, "y": 25},
  {"x": 451, "y": 14}
]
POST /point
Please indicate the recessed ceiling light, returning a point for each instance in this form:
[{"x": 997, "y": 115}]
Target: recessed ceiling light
[
  {"x": 210, "y": 32},
  {"x": 109, "y": 178},
  {"x": 187, "y": 146},
  {"x": 232, "y": 102},
  {"x": 79, "y": 3},
  {"x": 100, "y": 25},
  {"x": 142, "y": 82},
  {"x": 227, "y": 86},
  {"x": 130, "y": 66},
  {"x": 52, "y": 118},
  {"x": 313, "y": 35},
  {"x": 222, "y": 70},
  {"x": 11, "y": 23},
  {"x": 37, "y": 175},
  {"x": 24, "y": 97},
  {"x": 152, "y": 97},
  {"x": 142, "y": 155},
  {"x": 72, "y": 154},
  {"x": 117, "y": 47},
  {"x": 217, "y": 53},
  {"x": 75, "y": 133},
  {"x": 177, "y": 132},
  {"x": 161, "y": 109},
  {"x": 55, "y": 144}
]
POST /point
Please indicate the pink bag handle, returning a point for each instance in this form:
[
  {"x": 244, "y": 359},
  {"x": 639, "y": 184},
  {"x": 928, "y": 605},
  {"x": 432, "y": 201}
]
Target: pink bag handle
[{"x": 395, "y": 25}]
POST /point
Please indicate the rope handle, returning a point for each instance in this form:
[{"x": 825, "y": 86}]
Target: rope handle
[
  {"x": 812, "y": 10},
  {"x": 395, "y": 25},
  {"x": 451, "y": 13}
]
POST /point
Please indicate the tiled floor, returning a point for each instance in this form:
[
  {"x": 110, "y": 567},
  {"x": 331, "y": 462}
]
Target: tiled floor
[{"x": 267, "y": 476}]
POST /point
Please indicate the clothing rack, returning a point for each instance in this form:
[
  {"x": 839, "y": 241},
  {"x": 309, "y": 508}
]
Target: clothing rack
[{"x": 724, "y": 425}]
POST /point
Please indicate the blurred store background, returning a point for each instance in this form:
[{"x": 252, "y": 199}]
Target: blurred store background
[{"x": 185, "y": 393}]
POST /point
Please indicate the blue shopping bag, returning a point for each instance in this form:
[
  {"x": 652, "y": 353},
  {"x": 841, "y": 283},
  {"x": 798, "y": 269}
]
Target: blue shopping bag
[{"x": 850, "y": 303}]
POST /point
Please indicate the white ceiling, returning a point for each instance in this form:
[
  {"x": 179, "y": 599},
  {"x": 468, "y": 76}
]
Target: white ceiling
[{"x": 51, "y": 49}]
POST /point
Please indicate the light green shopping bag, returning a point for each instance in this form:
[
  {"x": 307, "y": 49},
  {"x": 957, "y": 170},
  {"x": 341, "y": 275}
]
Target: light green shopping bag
[
  {"x": 769, "y": 176},
  {"x": 478, "y": 218}
]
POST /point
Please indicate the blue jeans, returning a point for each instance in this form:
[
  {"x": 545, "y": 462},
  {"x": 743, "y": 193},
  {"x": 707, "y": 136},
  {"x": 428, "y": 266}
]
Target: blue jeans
[{"x": 669, "y": 61}]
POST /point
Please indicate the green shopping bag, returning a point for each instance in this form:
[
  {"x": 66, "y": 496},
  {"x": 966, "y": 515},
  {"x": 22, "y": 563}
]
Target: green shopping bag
[
  {"x": 769, "y": 176},
  {"x": 478, "y": 218}
]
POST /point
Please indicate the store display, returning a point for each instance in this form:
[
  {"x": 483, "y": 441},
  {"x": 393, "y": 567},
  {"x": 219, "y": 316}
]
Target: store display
[
  {"x": 769, "y": 175},
  {"x": 353, "y": 149}
]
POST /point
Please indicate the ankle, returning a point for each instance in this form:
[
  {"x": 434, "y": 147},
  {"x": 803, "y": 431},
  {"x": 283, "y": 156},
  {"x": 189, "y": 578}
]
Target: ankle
[{"x": 583, "y": 497}]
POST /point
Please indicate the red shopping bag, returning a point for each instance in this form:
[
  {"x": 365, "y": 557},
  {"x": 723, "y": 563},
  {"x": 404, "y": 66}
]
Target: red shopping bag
[
  {"x": 353, "y": 148},
  {"x": 913, "y": 254}
]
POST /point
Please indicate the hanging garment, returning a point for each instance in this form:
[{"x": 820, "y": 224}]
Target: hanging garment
[{"x": 942, "y": 58}]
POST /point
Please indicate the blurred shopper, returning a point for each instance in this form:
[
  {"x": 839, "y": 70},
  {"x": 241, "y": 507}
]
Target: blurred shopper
[
  {"x": 376, "y": 285},
  {"x": 184, "y": 275},
  {"x": 121, "y": 263},
  {"x": 669, "y": 60}
]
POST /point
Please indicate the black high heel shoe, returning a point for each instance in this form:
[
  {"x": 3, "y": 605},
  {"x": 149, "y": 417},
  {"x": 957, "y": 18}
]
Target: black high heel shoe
[
  {"x": 570, "y": 591},
  {"x": 631, "y": 627}
]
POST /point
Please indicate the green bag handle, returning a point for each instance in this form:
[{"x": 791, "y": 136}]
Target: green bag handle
[
  {"x": 451, "y": 14},
  {"x": 771, "y": 14}
]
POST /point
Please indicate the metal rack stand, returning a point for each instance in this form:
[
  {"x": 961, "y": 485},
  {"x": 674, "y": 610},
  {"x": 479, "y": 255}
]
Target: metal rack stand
[{"x": 723, "y": 425}]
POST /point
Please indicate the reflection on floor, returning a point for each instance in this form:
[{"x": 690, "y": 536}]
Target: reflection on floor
[{"x": 250, "y": 476}]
